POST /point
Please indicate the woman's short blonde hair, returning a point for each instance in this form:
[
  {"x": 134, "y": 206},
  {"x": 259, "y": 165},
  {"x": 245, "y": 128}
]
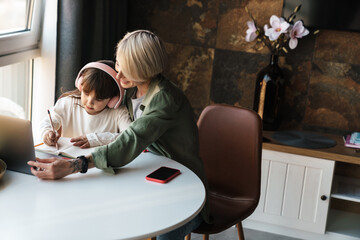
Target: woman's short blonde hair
[{"x": 141, "y": 55}]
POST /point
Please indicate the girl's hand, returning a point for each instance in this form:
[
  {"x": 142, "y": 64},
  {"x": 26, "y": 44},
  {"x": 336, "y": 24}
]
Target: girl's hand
[
  {"x": 81, "y": 142},
  {"x": 51, "y": 138}
]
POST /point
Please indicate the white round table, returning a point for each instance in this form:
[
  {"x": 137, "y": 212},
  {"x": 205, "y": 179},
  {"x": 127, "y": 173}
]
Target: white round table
[{"x": 97, "y": 205}]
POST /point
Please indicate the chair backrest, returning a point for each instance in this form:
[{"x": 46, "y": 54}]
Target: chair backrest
[{"x": 230, "y": 146}]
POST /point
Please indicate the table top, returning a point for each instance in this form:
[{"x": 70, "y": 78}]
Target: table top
[
  {"x": 338, "y": 153},
  {"x": 97, "y": 205}
]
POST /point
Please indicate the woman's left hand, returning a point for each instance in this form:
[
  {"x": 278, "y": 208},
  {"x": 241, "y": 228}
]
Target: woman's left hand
[
  {"x": 81, "y": 142},
  {"x": 51, "y": 168}
]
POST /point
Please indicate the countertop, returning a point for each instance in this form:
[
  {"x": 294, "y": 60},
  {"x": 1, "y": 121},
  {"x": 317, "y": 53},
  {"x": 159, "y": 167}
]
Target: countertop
[{"x": 338, "y": 153}]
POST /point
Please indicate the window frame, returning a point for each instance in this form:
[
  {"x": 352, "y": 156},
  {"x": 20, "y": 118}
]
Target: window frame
[{"x": 23, "y": 45}]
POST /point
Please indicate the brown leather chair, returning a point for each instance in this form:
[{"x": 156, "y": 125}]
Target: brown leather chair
[{"x": 230, "y": 146}]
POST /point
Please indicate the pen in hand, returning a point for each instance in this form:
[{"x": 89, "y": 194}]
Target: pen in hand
[{"x": 52, "y": 125}]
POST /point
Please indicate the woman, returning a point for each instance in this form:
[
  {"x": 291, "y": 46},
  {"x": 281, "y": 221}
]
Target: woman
[{"x": 162, "y": 118}]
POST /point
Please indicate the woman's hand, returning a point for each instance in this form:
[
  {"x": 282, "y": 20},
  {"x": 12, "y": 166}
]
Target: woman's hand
[
  {"x": 54, "y": 168},
  {"x": 51, "y": 138},
  {"x": 81, "y": 142}
]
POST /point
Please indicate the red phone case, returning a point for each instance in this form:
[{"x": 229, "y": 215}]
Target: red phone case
[{"x": 163, "y": 174}]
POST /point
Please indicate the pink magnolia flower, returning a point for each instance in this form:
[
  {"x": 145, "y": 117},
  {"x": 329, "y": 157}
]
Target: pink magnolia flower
[
  {"x": 251, "y": 32},
  {"x": 297, "y": 31},
  {"x": 278, "y": 26},
  {"x": 266, "y": 27}
]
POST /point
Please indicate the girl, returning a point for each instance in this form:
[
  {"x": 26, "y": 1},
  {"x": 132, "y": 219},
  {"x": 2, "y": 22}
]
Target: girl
[{"x": 90, "y": 114}]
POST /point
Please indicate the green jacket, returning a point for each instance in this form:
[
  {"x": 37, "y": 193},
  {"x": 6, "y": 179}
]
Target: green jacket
[{"x": 167, "y": 126}]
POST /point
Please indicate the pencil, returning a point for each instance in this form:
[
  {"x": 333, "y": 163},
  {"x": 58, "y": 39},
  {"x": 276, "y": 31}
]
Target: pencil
[
  {"x": 38, "y": 144},
  {"x": 52, "y": 125}
]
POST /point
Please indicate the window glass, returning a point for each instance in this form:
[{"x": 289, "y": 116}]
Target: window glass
[
  {"x": 14, "y": 16},
  {"x": 15, "y": 89}
]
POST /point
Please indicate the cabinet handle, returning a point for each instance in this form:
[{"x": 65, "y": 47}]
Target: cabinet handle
[{"x": 323, "y": 197}]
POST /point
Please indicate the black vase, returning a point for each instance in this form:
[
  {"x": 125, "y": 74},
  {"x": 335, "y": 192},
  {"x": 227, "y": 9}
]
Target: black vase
[{"x": 267, "y": 101}]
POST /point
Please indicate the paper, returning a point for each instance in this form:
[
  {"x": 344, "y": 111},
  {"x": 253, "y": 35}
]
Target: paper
[{"x": 66, "y": 149}]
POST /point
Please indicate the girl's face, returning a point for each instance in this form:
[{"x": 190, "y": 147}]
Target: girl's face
[{"x": 91, "y": 104}]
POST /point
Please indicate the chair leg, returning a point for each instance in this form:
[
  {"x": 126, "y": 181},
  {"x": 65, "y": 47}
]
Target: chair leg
[
  {"x": 240, "y": 231},
  {"x": 188, "y": 237},
  {"x": 205, "y": 236}
]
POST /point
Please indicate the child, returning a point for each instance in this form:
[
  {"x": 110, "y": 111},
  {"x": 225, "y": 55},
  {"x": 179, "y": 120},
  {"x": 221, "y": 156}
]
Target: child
[{"x": 91, "y": 114}]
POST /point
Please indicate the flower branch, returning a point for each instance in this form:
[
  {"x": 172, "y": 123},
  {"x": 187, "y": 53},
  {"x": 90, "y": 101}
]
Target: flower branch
[{"x": 280, "y": 32}]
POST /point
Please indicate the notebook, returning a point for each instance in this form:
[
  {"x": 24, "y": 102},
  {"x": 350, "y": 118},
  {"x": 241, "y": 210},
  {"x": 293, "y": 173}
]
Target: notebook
[
  {"x": 16, "y": 144},
  {"x": 66, "y": 149}
]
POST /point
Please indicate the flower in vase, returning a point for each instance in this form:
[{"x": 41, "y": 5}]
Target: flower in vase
[
  {"x": 251, "y": 34},
  {"x": 278, "y": 26},
  {"x": 297, "y": 31},
  {"x": 280, "y": 32}
]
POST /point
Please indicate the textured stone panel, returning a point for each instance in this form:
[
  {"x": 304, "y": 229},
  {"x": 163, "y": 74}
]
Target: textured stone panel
[
  {"x": 304, "y": 50},
  {"x": 296, "y": 75},
  {"x": 334, "y": 96},
  {"x": 233, "y": 19},
  {"x": 191, "y": 69},
  {"x": 338, "y": 46},
  {"x": 183, "y": 22},
  {"x": 322, "y": 74},
  {"x": 234, "y": 77}
]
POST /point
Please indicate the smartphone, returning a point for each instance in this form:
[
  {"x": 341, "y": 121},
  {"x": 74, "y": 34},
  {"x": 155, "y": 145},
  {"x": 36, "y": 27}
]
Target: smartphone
[{"x": 163, "y": 174}]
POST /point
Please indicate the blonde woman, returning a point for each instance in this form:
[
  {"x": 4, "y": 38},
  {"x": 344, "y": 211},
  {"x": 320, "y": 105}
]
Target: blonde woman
[{"x": 162, "y": 118}]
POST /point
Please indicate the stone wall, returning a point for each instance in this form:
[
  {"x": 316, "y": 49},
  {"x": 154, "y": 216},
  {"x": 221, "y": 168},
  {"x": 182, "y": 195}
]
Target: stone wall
[{"x": 211, "y": 61}]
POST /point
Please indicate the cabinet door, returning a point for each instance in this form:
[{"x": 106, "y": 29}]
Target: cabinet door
[{"x": 292, "y": 187}]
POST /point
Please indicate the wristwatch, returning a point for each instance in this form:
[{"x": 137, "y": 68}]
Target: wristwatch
[{"x": 84, "y": 163}]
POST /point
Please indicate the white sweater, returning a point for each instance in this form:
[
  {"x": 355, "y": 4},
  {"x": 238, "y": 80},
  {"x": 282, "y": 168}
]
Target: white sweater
[{"x": 100, "y": 129}]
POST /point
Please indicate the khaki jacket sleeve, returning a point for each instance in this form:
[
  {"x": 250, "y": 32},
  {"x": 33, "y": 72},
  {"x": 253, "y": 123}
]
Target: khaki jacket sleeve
[{"x": 156, "y": 119}]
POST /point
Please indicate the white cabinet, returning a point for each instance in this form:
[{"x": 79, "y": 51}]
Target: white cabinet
[
  {"x": 340, "y": 222},
  {"x": 295, "y": 191},
  {"x": 346, "y": 188}
]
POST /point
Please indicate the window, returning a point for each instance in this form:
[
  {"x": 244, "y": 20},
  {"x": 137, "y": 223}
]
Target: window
[
  {"x": 28, "y": 58},
  {"x": 19, "y": 26},
  {"x": 15, "y": 89},
  {"x": 14, "y": 15},
  {"x": 19, "y": 45}
]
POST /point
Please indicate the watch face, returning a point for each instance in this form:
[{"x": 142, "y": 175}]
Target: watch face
[{"x": 84, "y": 164}]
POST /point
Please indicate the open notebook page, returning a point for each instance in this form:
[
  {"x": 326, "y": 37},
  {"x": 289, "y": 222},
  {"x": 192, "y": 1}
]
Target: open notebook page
[{"x": 66, "y": 149}]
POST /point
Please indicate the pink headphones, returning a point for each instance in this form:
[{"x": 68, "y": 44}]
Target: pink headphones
[{"x": 115, "y": 101}]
